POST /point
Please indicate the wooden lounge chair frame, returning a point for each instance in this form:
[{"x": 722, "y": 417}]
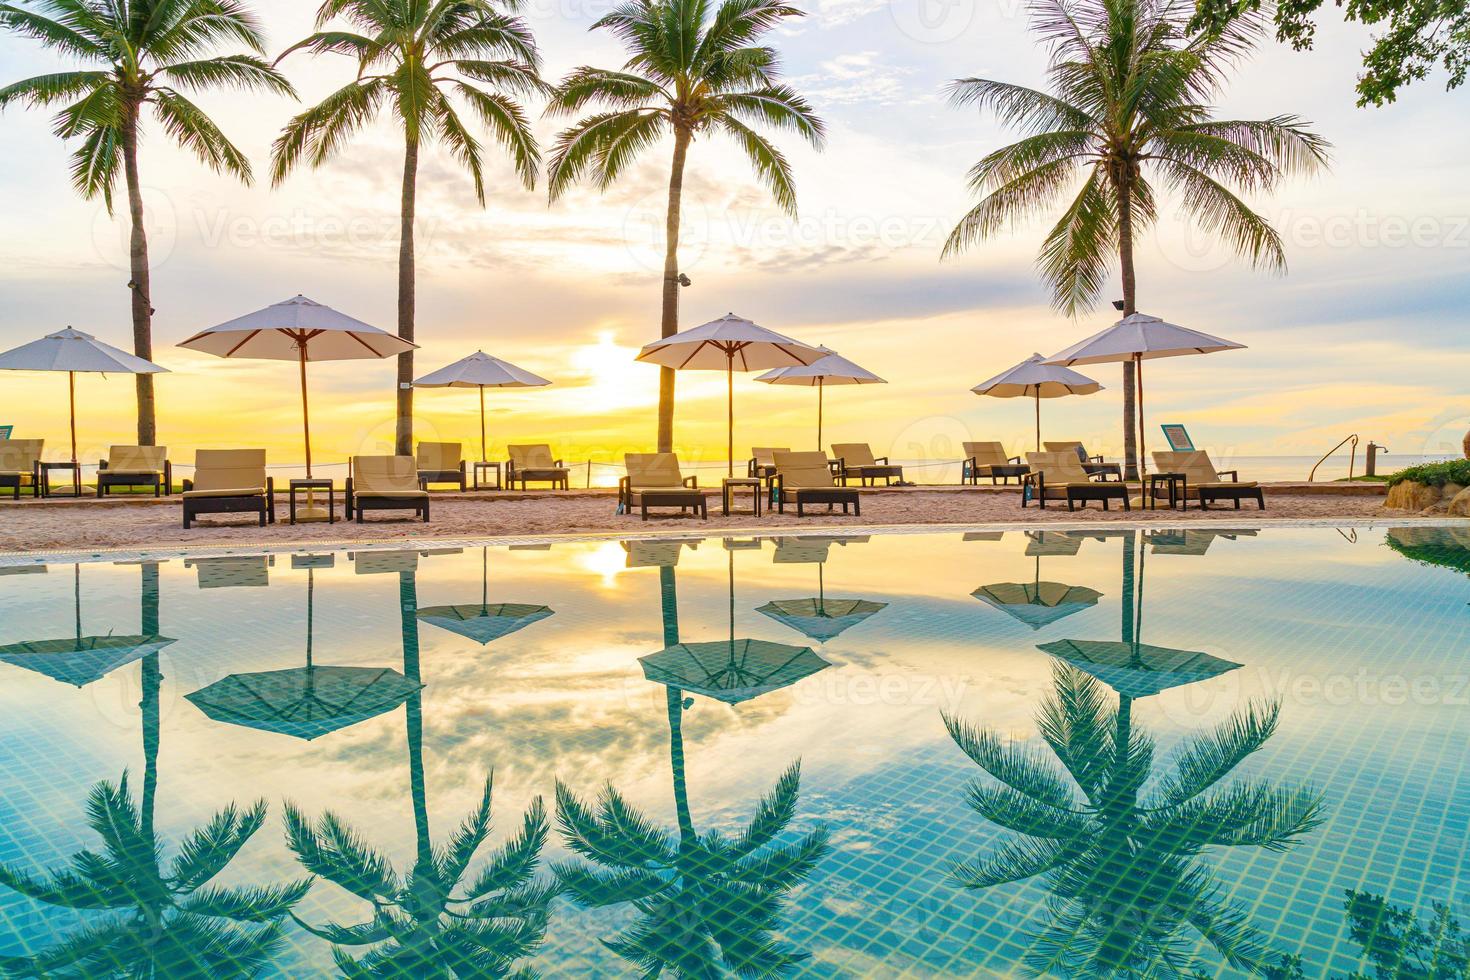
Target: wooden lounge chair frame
[
  {"x": 791, "y": 466},
  {"x": 1206, "y": 491},
  {"x": 214, "y": 500},
  {"x": 557, "y": 473},
  {"x": 1073, "y": 491},
  {"x": 1094, "y": 466},
  {"x": 677, "y": 490},
  {"x": 866, "y": 467},
  {"x": 161, "y": 480},
  {"x": 21, "y": 478},
  {"x": 455, "y": 476},
  {"x": 970, "y": 469},
  {"x": 376, "y": 498}
]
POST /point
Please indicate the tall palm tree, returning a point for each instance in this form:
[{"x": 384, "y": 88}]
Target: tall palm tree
[
  {"x": 420, "y": 58},
  {"x": 431, "y": 922},
  {"x": 1128, "y": 109},
  {"x": 689, "y": 72},
  {"x": 1131, "y": 898},
  {"x": 156, "y": 918},
  {"x": 142, "y": 53},
  {"x": 709, "y": 903}
]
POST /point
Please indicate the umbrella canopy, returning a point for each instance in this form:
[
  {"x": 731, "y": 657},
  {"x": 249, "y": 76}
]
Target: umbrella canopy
[
  {"x": 484, "y": 622},
  {"x": 1138, "y": 670},
  {"x": 305, "y": 702},
  {"x": 1036, "y": 379},
  {"x": 71, "y": 351},
  {"x": 731, "y": 670},
  {"x": 820, "y": 618},
  {"x": 729, "y": 344},
  {"x": 301, "y": 330},
  {"x": 1038, "y": 603},
  {"x": 481, "y": 371},
  {"x": 832, "y": 369},
  {"x": 1136, "y": 338},
  {"x": 80, "y": 660}
]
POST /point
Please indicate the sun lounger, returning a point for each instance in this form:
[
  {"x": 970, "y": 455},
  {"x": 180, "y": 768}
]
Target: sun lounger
[
  {"x": 385, "y": 483},
  {"x": 1094, "y": 465},
  {"x": 534, "y": 463},
  {"x": 20, "y": 465},
  {"x": 804, "y": 479},
  {"x": 229, "y": 481},
  {"x": 855, "y": 460},
  {"x": 1060, "y": 476},
  {"x": 654, "y": 480},
  {"x": 136, "y": 466},
  {"x": 762, "y": 463},
  {"x": 1201, "y": 481},
  {"x": 441, "y": 462},
  {"x": 984, "y": 459}
]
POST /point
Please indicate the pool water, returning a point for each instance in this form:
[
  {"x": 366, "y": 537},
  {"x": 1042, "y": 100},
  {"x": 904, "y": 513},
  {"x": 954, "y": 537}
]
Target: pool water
[{"x": 1213, "y": 752}]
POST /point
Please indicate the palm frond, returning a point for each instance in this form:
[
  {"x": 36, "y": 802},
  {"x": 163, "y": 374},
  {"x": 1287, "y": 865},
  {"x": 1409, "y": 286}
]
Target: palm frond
[
  {"x": 1012, "y": 763},
  {"x": 1027, "y": 109},
  {"x": 317, "y": 134},
  {"x": 507, "y": 123},
  {"x": 591, "y": 887},
  {"x": 1220, "y": 212},
  {"x": 513, "y": 864},
  {"x": 1013, "y": 860},
  {"x": 1011, "y": 203},
  {"x": 194, "y": 131},
  {"x": 95, "y": 164},
  {"x": 1074, "y": 261},
  {"x": 1014, "y": 810},
  {"x": 777, "y": 105},
  {"x": 1206, "y": 759},
  {"x": 241, "y": 72},
  {"x": 45, "y": 90},
  {"x": 769, "y": 163},
  {"x": 247, "y": 904},
  {"x": 207, "y": 851},
  {"x": 614, "y": 89},
  {"x": 332, "y": 850},
  {"x": 64, "y": 38}
]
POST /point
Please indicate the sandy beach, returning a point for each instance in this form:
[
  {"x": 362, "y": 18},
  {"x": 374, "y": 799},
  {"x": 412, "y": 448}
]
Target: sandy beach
[{"x": 62, "y": 525}]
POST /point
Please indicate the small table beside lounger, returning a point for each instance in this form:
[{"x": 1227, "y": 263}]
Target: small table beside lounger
[
  {"x": 136, "y": 466},
  {"x": 385, "y": 483},
  {"x": 856, "y": 460},
  {"x": 534, "y": 464},
  {"x": 1060, "y": 476},
  {"x": 230, "y": 481},
  {"x": 731, "y": 484},
  {"x": 484, "y": 466},
  {"x": 76, "y": 476},
  {"x": 654, "y": 480},
  {"x": 319, "y": 483},
  {"x": 806, "y": 478},
  {"x": 20, "y": 465}
]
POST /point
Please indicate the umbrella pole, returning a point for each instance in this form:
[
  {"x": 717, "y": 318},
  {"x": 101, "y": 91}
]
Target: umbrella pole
[
  {"x": 76, "y": 592},
  {"x": 484, "y": 575},
  {"x": 820, "y": 389},
  {"x": 1142, "y": 467},
  {"x": 71, "y": 383},
  {"x": 305, "y": 414},
  {"x": 310, "y": 613},
  {"x": 1038, "y": 418},
  {"x": 730, "y": 414},
  {"x": 484, "y": 449}
]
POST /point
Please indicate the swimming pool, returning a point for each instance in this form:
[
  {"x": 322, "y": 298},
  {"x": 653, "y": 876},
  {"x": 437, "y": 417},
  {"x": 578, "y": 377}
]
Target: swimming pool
[{"x": 1069, "y": 753}]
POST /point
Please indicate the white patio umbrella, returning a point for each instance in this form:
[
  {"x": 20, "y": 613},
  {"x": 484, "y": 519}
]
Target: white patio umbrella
[
  {"x": 482, "y": 371},
  {"x": 1139, "y": 337},
  {"x": 833, "y": 369},
  {"x": 1034, "y": 378},
  {"x": 298, "y": 329},
  {"x": 731, "y": 344},
  {"x": 71, "y": 351}
]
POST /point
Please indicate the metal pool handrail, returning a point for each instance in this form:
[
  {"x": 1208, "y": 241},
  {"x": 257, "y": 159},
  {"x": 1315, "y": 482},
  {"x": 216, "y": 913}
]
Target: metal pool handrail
[{"x": 1352, "y": 458}]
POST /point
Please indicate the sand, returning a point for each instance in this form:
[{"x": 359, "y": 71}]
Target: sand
[{"x": 60, "y": 525}]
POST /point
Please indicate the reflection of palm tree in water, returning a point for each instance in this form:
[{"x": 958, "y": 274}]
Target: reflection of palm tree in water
[
  {"x": 430, "y": 922},
  {"x": 707, "y": 902},
  {"x": 1130, "y": 897},
  {"x": 158, "y": 919},
  {"x": 1398, "y": 943}
]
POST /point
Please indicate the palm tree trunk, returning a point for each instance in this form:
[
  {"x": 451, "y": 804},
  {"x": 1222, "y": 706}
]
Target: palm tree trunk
[
  {"x": 403, "y": 438},
  {"x": 141, "y": 286},
  {"x": 413, "y": 714},
  {"x": 1130, "y": 305},
  {"x": 152, "y": 682},
  {"x": 669, "y": 324}
]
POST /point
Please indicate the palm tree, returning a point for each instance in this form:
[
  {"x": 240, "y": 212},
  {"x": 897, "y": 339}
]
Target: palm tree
[
  {"x": 1131, "y": 897},
  {"x": 1128, "y": 106},
  {"x": 688, "y": 73},
  {"x": 430, "y": 922},
  {"x": 705, "y": 900},
  {"x": 142, "y": 53},
  {"x": 156, "y": 919},
  {"x": 418, "y": 57}
]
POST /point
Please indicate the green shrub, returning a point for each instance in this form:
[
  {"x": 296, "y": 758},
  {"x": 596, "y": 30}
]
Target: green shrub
[{"x": 1435, "y": 474}]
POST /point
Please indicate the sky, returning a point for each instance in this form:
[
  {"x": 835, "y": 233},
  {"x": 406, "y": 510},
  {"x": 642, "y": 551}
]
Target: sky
[{"x": 1363, "y": 334}]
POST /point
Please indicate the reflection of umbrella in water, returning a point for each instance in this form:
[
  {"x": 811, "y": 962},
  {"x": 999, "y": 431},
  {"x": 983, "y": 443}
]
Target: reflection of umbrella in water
[
  {"x": 306, "y": 702},
  {"x": 484, "y": 622},
  {"x": 79, "y": 660},
  {"x": 818, "y": 618},
  {"x": 233, "y": 571},
  {"x": 1132, "y": 668},
  {"x": 1037, "y": 603},
  {"x": 732, "y": 670}
]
